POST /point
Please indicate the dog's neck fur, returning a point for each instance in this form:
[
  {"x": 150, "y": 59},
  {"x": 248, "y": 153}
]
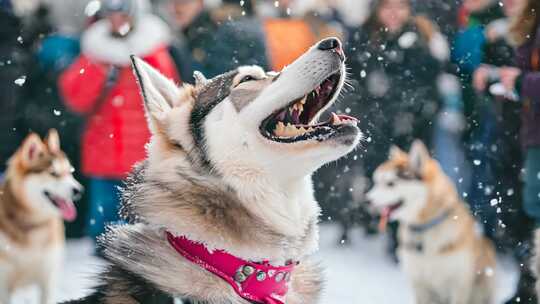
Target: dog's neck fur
[
  {"x": 230, "y": 215},
  {"x": 447, "y": 232},
  {"x": 286, "y": 207},
  {"x": 16, "y": 221},
  {"x": 173, "y": 195}
]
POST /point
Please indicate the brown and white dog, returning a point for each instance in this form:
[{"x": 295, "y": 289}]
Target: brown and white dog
[
  {"x": 38, "y": 191},
  {"x": 229, "y": 166},
  {"x": 446, "y": 259}
]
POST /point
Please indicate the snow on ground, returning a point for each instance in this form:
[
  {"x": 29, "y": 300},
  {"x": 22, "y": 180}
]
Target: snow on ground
[{"x": 360, "y": 273}]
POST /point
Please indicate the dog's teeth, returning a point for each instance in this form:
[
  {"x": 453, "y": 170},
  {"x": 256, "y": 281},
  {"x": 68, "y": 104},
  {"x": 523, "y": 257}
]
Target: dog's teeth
[
  {"x": 280, "y": 128},
  {"x": 300, "y": 107},
  {"x": 310, "y": 129},
  {"x": 303, "y": 100},
  {"x": 335, "y": 119},
  {"x": 291, "y": 109},
  {"x": 290, "y": 130}
]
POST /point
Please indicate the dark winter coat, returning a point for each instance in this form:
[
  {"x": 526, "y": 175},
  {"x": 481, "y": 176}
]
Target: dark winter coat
[
  {"x": 14, "y": 60},
  {"x": 530, "y": 92},
  {"x": 238, "y": 42},
  {"x": 190, "y": 48},
  {"x": 397, "y": 98}
]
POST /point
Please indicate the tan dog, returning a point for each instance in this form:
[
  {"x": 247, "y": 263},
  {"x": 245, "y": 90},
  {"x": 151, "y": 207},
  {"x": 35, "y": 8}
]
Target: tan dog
[
  {"x": 443, "y": 254},
  {"x": 38, "y": 191}
]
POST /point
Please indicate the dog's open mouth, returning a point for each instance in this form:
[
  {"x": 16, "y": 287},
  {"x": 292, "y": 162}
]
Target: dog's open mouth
[
  {"x": 387, "y": 212},
  {"x": 298, "y": 121},
  {"x": 66, "y": 207}
]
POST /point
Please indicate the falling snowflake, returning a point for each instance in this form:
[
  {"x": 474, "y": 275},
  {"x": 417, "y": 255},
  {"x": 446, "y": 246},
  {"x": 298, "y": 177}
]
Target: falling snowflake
[{"x": 20, "y": 81}]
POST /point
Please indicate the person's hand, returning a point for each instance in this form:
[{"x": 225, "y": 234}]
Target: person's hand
[
  {"x": 509, "y": 76},
  {"x": 480, "y": 78},
  {"x": 497, "y": 29}
]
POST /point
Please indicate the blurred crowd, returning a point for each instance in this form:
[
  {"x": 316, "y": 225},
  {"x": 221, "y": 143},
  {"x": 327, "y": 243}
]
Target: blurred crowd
[{"x": 461, "y": 75}]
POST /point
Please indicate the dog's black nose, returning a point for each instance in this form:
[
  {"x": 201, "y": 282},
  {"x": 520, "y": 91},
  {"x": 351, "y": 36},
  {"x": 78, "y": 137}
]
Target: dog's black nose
[
  {"x": 77, "y": 192},
  {"x": 329, "y": 44}
]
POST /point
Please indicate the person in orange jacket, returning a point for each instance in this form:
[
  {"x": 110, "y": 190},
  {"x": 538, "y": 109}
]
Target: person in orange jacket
[{"x": 101, "y": 86}]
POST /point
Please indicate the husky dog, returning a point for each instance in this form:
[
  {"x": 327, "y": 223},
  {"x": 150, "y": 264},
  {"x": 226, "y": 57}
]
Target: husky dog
[
  {"x": 38, "y": 191},
  {"x": 229, "y": 166},
  {"x": 444, "y": 256}
]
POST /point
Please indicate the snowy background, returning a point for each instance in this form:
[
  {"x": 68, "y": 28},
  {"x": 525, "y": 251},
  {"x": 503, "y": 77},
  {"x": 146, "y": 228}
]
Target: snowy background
[{"x": 357, "y": 273}]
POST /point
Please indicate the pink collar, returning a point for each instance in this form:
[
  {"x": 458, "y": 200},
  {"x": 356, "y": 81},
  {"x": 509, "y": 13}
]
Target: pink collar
[{"x": 256, "y": 282}]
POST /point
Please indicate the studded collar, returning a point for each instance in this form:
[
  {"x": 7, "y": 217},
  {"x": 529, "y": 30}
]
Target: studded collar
[{"x": 256, "y": 282}]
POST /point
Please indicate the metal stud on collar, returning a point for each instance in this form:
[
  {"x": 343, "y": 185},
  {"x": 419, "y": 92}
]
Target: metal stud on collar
[
  {"x": 261, "y": 276},
  {"x": 279, "y": 277},
  {"x": 240, "y": 277},
  {"x": 248, "y": 270}
]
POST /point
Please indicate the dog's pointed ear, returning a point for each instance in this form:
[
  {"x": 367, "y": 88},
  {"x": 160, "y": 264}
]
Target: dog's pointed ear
[
  {"x": 32, "y": 150},
  {"x": 396, "y": 152},
  {"x": 159, "y": 93},
  {"x": 53, "y": 141},
  {"x": 418, "y": 156},
  {"x": 200, "y": 79}
]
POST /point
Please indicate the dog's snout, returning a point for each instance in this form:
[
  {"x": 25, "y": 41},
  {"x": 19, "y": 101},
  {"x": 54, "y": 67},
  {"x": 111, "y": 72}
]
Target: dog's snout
[{"x": 329, "y": 44}]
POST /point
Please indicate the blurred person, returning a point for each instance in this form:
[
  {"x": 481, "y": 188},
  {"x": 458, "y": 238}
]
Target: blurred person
[
  {"x": 193, "y": 27},
  {"x": 525, "y": 80},
  {"x": 496, "y": 136},
  {"x": 14, "y": 60},
  {"x": 468, "y": 44},
  {"x": 441, "y": 12},
  {"x": 396, "y": 57},
  {"x": 468, "y": 53},
  {"x": 101, "y": 86},
  {"x": 271, "y": 40}
]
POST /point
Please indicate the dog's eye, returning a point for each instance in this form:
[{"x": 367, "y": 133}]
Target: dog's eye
[
  {"x": 54, "y": 174},
  {"x": 246, "y": 79},
  {"x": 390, "y": 184}
]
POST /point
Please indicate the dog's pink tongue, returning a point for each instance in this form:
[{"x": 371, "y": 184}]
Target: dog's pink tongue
[
  {"x": 383, "y": 221},
  {"x": 68, "y": 210}
]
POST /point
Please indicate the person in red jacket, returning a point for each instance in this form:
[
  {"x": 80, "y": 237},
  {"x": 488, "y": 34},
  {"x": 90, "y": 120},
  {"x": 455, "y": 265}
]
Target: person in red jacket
[{"x": 101, "y": 86}]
